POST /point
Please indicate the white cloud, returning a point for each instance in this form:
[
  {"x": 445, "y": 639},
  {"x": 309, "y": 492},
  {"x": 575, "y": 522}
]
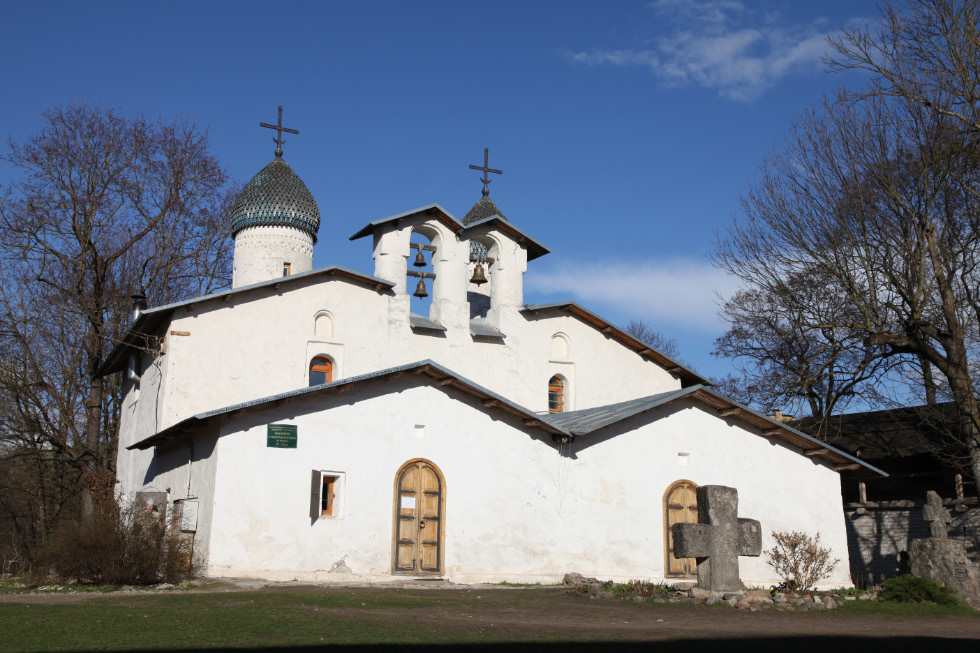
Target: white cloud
[
  {"x": 680, "y": 292},
  {"x": 721, "y": 44}
]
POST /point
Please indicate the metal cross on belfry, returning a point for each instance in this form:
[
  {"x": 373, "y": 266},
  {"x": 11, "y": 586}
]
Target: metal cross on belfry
[
  {"x": 278, "y": 140},
  {"x": 486, "y": 169}
]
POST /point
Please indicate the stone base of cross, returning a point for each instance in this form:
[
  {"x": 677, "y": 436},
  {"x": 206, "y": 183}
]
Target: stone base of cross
[{"x": 718, "y": 539}]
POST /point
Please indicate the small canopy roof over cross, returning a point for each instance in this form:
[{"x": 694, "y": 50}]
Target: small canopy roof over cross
[
  {"x": 486, "y": 170},
  {"x": 278, "y": 140}
]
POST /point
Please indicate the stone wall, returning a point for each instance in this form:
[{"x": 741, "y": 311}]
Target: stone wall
[
  {"x": 945, "y": 562},
  {"x": 878, "y": 539}
]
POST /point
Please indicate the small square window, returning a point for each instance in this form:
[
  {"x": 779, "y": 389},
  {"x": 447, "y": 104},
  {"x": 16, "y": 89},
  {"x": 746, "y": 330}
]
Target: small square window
[
  {"x": 326, "y": 495},
  {"x": 285, "y": 269}
]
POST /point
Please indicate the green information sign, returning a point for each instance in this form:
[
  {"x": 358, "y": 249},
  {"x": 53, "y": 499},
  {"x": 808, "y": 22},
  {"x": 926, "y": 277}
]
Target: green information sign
[{"x": 281, "y": 436}]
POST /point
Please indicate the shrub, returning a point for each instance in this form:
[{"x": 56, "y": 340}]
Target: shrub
[
  {"x": 800, "y": 560},
  {"x": 118, "y": 546},
  {"x": 642, "y": 588},
  {"x": 912, "y": 589}
]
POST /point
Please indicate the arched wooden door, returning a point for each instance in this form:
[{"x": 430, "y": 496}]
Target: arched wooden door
[
  {"x": 420, "y": 508},
  {"x": 680, "y": 507}
]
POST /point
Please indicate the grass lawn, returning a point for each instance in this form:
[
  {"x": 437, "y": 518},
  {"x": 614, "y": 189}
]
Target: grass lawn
[{"x": 316, "y": 616}]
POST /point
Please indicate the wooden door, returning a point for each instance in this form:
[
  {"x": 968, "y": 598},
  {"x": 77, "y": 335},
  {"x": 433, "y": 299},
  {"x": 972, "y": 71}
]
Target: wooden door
[
  {"x": 419, "y": 523},
  {"x": 680, "y": 507}
]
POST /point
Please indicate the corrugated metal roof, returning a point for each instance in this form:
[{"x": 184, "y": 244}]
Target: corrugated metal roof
[{"x": 582, "y": 422}]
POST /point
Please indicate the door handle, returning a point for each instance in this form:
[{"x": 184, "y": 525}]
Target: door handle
[{"x": 422, "y": 524}]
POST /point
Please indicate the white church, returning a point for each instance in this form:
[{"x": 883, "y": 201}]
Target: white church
[{"x": 306, "y": 424}]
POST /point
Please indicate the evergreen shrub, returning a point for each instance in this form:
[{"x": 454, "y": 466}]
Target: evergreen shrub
[{"x": 913, "y": 589}]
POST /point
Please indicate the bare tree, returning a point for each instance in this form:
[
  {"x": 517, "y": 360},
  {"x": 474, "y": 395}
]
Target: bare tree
[
  {"x": 106, "y": 205},
  {"x": 794, "y": 349},
  {"x": 642, "y": 331},
  {"x": 921, "y": 51},
  {"x": 876, "y": 195}
]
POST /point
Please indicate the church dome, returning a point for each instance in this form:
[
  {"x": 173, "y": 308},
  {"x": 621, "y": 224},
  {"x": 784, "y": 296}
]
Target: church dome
[
  {"x": 481, "y": 211},
  {"x": 276, "y": 196}
]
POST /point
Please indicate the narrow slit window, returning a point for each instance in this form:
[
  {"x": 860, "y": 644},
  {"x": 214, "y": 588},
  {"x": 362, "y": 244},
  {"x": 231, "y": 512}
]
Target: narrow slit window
[
  {"x": 556, "y": 395},
  {"x": 321, "y": 371},
  {"x": 327, "y": 495},
  {"x": 285, "y": 268}
]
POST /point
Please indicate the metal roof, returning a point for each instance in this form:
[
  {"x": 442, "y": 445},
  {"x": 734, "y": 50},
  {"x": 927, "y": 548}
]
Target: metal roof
[
  {"x": 482, "y": 210},
  {"x": 429, "y": 210},
  {"x": 149, "y": 321},
  {"x": 570, "y": 425},
  {"x": 535, "y": 249},
  {"x": 276, "y": 196},
  {"x": 419, "y": 322},
  {"x": 687, "y": 375},
  {"x": 480, "y": 328},
  {"x": 583, "y": 422},
  {"x": 444, "y": 378}
]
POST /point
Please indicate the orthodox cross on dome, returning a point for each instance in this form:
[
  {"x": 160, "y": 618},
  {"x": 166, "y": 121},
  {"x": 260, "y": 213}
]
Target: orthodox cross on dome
[
  {"x": 486, "y": 169},
  {"x": 278, "y": 140}
]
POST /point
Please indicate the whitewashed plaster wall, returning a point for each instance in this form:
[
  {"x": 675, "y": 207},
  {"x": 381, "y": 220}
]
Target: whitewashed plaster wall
[
  {"x": 637, "y": 460},
  {"x": 186, "y": 469},
  {"x": 261, "y": 251},
  {"x": 140, "y": 417},
  {"x": 260, "y": 344},
  {"x": 516, "y": 510}
]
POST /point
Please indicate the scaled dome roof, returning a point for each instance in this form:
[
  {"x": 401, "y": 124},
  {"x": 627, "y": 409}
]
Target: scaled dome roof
[
  {"x": 481, "y": 211},
  {"x": 276, "y": 196}
]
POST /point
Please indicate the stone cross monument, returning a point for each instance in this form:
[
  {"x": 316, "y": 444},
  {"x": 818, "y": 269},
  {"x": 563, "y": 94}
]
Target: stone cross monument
[
  {"x": 718, "y": 539},
  {"x": 936, "y": 515}
]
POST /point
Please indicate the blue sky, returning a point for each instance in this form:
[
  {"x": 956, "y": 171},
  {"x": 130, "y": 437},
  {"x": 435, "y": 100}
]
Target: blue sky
[{"x": 626, "y": 130}]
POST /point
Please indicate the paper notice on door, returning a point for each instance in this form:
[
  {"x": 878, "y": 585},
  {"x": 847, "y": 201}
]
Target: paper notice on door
[{"x": 408, "y": 503}]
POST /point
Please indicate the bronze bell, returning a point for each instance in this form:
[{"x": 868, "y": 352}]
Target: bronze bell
[
  {"x": 420, "y": 289},
  {"x": 419, "y": 259},
  {"x": 479, "y": 276}
]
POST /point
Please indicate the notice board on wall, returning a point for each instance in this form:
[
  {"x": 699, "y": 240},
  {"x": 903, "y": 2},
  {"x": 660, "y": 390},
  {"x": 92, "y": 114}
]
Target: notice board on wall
[{"x": 281, "y": 436}]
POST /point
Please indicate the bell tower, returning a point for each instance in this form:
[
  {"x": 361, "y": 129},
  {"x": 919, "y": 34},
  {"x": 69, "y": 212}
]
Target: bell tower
[{"x": 274, "y": 221}]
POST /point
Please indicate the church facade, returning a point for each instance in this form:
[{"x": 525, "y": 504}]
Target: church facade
[{"x": 307, "y": 424}]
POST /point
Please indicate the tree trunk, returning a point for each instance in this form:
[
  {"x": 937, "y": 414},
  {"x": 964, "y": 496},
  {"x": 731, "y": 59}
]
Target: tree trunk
[{"x": 90, "y": 457}]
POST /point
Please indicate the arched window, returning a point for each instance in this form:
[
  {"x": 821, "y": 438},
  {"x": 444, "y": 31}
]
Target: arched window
[
  {"x": 556, "y": 395},
  {"x": 321, "y": 370},
  {"x": 323, "y": 325},
  {"x": 559, "y": 346}
]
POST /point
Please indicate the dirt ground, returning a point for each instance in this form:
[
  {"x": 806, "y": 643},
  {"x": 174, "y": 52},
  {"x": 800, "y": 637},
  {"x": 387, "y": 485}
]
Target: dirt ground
[{"x": 622, "y": 625}]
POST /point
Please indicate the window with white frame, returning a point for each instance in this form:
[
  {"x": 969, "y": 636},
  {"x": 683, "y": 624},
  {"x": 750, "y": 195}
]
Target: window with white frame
[{"x": 326, "y": 495}]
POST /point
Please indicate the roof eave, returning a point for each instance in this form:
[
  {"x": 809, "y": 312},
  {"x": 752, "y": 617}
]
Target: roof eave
[
  {"x": 441, "y": 375},
  {"x": 687, "y": 375},
  {"x": 151, "y": 318},
  {"x": 535, "y": 248},
  {"x": 433, "y": 210}
]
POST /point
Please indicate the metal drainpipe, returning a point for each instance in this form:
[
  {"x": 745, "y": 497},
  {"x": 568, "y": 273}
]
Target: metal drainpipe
[
  {"x": 133, "y": 368},
  {"x": 190, "y": 463}
]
